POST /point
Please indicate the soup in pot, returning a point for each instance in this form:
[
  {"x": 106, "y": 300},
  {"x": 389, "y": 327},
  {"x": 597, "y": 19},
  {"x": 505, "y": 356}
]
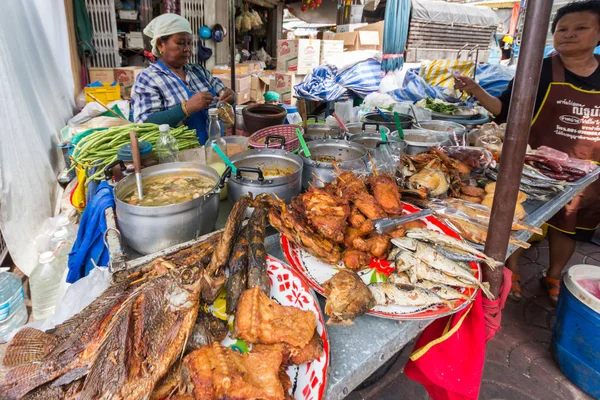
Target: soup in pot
[{"x": 170, "y": 189}]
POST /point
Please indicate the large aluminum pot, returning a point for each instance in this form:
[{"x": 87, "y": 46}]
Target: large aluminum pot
[
  {"x": 419, "y": 140},
  {"x": 349, "y": 157},
  {"x": 406, "y": 120},
  {"x": 365, "y": 128},
  {"x": 456, "y": 133},
  {"x": 371, "y": 141},
  {"x": 318, "y": 131},
  {"x": 151, "y": 229},
  {"x": 253, "y": 165}
]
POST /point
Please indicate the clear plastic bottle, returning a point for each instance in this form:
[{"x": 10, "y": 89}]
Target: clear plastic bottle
[
  {"x": 13, "y": 312},
  {"x": 166, "y": 145},
  {"x": 214, "y": 136},
  {"x": 61, "y": 244},
  {"x": 45, "y": 282}
]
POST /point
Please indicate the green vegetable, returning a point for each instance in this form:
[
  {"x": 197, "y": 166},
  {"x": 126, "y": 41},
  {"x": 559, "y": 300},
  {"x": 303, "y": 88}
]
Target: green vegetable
[
  {"x": 99, "y": 148},
  {"x": 441, "y": 106}
]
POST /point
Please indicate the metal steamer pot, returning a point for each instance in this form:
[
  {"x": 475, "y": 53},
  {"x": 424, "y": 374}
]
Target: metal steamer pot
[
  {"x": 364, "y": 128},
  {"x": 351, "y": 156},
  {"x": 318, "y": 131},
  {"x": 151, "y": 229},
  {"x": 250, "y": 177},
  {"x": 406, "y": 121}
]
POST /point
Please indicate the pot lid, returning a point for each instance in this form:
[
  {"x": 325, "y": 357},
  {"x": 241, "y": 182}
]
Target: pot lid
[{"x": 124, "y": 153}]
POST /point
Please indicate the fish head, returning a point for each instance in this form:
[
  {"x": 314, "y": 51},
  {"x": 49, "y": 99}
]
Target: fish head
[
  {"x": 186, "y": 288},
  {"x": 405, "y": 243}
]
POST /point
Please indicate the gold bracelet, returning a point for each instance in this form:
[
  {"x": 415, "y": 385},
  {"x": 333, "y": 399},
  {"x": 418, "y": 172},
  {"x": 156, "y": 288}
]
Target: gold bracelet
[{"x": 184, "y": 108}]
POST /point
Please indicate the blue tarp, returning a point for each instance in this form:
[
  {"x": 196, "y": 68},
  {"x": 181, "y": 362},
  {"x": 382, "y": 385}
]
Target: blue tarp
[{"x": 324, "y": 83}]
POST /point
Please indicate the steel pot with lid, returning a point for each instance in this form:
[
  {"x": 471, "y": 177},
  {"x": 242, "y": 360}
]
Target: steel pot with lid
[
  {"x": 364, "y": 128},
  {"x": 406, "y": 121},
  {"x": 150, "y": 229},
  {"x": 348, "y": 156},
  {"x": 419, "y": 140},
  {"x": 370, "y": 141},
  {"x": 318, "y": 131},
  {"x": 456, "y": 133},
  {"x": 277, "y": 172}
]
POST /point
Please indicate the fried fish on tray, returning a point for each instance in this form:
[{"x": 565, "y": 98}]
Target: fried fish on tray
[
  {"x": 199, "y": 254},
  {"x": 326, "y": 213},
  {"x": 217, "y": 372},
  {"x": 385, "y": 190},
  {"x": 261, "y": 320},
  {"x": 347, "y": 297},
  {"x": 257, "y": 254},
  {"x": 296, "y": 229}
]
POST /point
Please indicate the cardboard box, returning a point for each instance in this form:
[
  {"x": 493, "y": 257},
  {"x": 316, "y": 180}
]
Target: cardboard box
[
  {"x": 135, "y": 40},
  {"x": 283, "y": 83},
  {"x": 359, "y": 40},
  {"x": 330, "y": 50},
  {"x": 259, "y": 83},
  {"x": 126, "y": 78},
  {"x": 101, "y": 74},
  {"x": 348, "y": 27},
  {"x": 376, "y": 27},
  {"x": 257, "y": 96},
  {"x": 298, "y": 56},
  {"x": 325, "y": 35},
  {"x": 242, "y": 82},
  {"x": 253, "y": 66},
  {"x": 242, "y": 97},
  {"x": 240, "y": 69}
]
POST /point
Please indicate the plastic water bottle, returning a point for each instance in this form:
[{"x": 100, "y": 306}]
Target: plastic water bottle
[
  {"x": 166, "y": 145},
  {"x": 214, "y": 136},
  {"x": 61, "y": 244},
  {"x": 45, "y": 282},
  {"x": 13, "y": 312}
]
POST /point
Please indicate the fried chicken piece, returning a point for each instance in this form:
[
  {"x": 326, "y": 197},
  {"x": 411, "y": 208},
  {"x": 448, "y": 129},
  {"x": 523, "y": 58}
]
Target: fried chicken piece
[
  {"x": 217, "y": 372},
  {"x": 347, "y": 297},
  {"x": 326, "y": 213},
  {"x": 297, "y": 230},
  {"x": 261, "y": 320},
  {"x": 352, "y": 233},
  {"x": 385, "y": 191},
  {"x": 356, "y": 218},
  {"x": 356, "y": 259},
  {"x": 369, "y": 206},
  {"x": 295, "y": 355},
  {"x": 376, "y": 245}
]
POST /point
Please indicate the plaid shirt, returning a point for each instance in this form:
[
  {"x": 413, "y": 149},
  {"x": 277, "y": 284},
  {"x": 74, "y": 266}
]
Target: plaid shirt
[{"x": 156, "y": 89}]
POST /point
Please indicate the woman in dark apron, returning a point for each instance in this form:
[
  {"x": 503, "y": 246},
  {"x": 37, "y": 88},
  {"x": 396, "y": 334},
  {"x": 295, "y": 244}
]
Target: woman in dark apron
[
  {"x": 569, "y": 91},
  {"x": 172, "y": 91}
]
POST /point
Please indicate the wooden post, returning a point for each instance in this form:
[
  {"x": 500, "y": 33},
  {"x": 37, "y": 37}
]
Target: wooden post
[
  {"x": 518, "y": 125},
  {"x": 231, "y": 34}
]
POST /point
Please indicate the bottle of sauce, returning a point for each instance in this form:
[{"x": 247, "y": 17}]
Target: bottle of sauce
[{"x": 214, "y": 137}]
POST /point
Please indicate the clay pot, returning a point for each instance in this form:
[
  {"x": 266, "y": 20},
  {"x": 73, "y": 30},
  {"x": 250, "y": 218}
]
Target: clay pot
[{"x": 259, "y": 116}]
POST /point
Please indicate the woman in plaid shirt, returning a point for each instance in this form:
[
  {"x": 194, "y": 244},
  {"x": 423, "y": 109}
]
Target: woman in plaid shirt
[{"x": 171, "y": 91}]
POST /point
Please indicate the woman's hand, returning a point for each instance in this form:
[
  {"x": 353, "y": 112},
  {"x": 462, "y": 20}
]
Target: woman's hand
[
  {"x": 226, "y": 95},
  {"x": 466, "y": 84},
  {"x": 199, "y": 101}
]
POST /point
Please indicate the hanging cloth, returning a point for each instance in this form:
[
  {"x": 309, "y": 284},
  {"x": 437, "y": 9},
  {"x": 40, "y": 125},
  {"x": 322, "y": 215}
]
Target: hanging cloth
[
  {"x": 199, "y": 119},
  {"x": 83, "y": 29}
]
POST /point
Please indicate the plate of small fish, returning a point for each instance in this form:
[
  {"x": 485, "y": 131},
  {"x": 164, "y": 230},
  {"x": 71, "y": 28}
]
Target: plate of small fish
[{"x": 430, "y": 272}]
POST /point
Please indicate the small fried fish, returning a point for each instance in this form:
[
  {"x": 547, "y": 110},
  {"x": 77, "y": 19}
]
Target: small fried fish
[{"x": 405, "y": 295}]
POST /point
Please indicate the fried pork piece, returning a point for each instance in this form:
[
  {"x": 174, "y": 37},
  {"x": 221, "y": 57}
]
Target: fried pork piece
[
  {"x": 356, "y": 219},
  {"x": 296, "y": 229},
  {"x": 261, "y": 320},
  {"x": 295, "y": 355},
  {"x": 385, "y": 191},
  {"x": 376, "y": 245},
  {"x": 352, "y": 233},
  {"x": 347, "y": 297},
  {"x": 356, "y": 259},
  {"x": 350, "y": 187},
  {"x": 326, "y": 213},
  {"x": 217, "y": 372}
]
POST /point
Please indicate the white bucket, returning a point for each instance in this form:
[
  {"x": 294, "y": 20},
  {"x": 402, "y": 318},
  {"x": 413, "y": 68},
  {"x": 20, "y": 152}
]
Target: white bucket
[{"x": 577, "y": 273}]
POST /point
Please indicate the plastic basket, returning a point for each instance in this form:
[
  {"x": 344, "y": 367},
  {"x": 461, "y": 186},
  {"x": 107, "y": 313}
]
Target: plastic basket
[
  {"x": 105, "y": 94},
  {"x": 257, "y": 140}
]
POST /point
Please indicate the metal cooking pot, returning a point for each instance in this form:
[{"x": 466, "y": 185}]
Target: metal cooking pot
[
  {"x": 151, "y": 229},
  {"x": 419, "y": 140},
  {"x": 361, "y": 128},
  {"x": 318, "y": 131},
  {"x": 250, "y": 178},
  {"x": 405, "y": 120},
  {"x": 370, "y": 141},
  {"x": 457, "y": 133},
  {"x": 352, "y": 156}
]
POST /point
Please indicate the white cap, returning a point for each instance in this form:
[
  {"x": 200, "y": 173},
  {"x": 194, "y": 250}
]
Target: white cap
[
  {"x": 46, "y": 257},
  {"x": 164, "y": 128},
  {"x": 62, "y": 233},
  {"x": 213, "y": 111}
]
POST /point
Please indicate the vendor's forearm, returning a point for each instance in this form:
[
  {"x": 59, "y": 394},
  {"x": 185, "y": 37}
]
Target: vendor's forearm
[
  {"x": 489, "y": 102},
  {"x": 172, "y": 117}
]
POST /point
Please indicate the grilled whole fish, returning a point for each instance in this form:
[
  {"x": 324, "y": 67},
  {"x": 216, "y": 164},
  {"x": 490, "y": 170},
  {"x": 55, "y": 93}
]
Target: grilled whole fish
[
  {"x": 238, "y": 272},
  {"x": 257, "y": 254},
  {"x": 444, "y": 291},
  {"x": 213, "y": 277},
  {"x": 423, "y": 271},
  {"x": 207, "y": 330},
  {"x": 404, "y": 295}
]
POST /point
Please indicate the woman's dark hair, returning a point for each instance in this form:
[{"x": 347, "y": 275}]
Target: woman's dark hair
[
  {"x": 592, "y": 6},
  {"x": 165, "y": 38}
]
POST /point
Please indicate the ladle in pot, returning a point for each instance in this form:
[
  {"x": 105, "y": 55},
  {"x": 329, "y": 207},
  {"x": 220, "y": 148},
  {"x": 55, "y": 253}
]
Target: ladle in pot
[{"x": 137, "y": 163}]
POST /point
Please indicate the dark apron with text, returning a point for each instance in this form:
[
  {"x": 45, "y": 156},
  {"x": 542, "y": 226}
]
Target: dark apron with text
[
  {"x": 569, "y": 120},
  {"x": 199, "y": 119}
]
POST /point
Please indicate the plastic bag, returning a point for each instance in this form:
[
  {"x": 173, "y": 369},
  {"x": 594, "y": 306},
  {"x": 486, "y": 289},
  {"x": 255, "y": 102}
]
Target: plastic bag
[
  {"x": 93, "y": 109},
  {"x": 380, "y": 100}
]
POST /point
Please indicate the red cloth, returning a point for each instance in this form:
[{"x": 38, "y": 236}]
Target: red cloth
[
  {"x": 493, "y": 308},
  {"x": 452, "y": 368}
]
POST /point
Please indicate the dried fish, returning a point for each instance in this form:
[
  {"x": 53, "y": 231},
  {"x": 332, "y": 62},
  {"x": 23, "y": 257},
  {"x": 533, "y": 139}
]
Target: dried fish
[
  {"x": 404, "y": 295},
  {"x": 257, "y": 254},
  {"x": 238, "y": 271}
]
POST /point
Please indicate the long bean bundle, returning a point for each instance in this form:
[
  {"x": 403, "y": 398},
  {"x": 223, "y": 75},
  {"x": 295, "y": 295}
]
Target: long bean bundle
[
  {"x": 395, "y": 33},
  {"x": 100, "y": 148}
]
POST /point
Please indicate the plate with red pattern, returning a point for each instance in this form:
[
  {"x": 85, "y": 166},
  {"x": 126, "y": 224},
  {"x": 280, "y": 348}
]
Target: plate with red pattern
[
  {"x": 317, "y": 272},
  {"x": 289, "y": 289}
]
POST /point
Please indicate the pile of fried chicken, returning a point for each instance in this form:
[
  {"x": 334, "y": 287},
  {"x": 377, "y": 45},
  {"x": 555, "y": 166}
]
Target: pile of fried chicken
[{"x": 335, "y": 222}]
